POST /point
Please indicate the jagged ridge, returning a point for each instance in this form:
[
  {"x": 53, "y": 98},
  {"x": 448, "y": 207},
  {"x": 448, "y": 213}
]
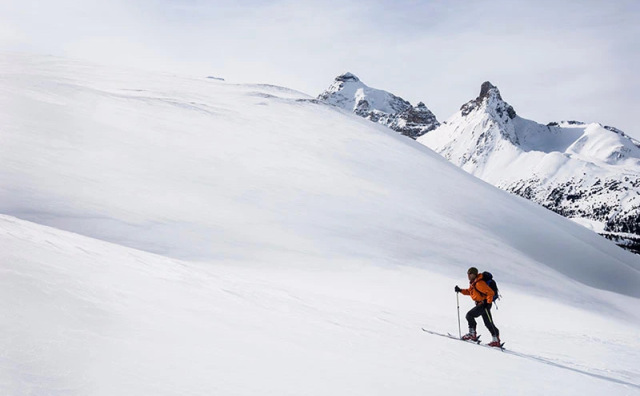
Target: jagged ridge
[
  {"x": 351, "y": 94},
  {"x": 587, "y": 172}
]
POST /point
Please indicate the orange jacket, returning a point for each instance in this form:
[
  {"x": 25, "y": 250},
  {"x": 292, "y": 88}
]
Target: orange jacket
[{"x": 479, "y": 290}]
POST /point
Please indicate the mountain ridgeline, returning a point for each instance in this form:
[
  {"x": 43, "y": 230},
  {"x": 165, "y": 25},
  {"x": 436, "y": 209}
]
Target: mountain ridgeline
[
  {"x": 589, "y": 173},
  {"x": 351, "y": 94}
]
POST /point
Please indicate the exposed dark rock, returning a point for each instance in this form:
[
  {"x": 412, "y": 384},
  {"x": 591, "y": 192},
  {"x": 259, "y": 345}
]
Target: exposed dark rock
[
  {"x": 615, "y": 130},
  {"x": 418, "y": 121},
  {"x": 627, "y": 242},
  {"x": 362, "y": 109},
  {"x": 565, "y": 200},
  {"x": 347, "y": 77},
  {"x": 607, "y": 201},
  {"x": 489, "y": 92},
  {"x": 403, "y": 118}
]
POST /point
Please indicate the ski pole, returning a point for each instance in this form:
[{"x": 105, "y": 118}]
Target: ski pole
[{"x": 458, "y": 301}]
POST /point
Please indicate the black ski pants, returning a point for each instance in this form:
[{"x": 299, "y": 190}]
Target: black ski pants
[{"x": 484, "y": 310}]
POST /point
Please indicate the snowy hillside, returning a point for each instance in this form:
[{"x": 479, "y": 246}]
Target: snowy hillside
[
  {"x": 351, "y": 94},
  {"x": 84, "y": 317},
  {"x": 298, "y": 250},
  {"x": 587, "y": 172}
]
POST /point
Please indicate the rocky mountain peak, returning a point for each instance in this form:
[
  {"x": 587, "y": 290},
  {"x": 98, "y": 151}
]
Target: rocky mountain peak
[
  {"x": 347, "y": 77},
  {"x": 587, "y": 172},
  {"x": 487, "y": 90},
  {"x": 491, "y": 98},
  {"x": 351, "y": 94}
]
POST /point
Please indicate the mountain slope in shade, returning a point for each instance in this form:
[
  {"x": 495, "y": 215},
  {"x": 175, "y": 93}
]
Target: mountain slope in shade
[
  {"x": 587, "y": 172},
  {"x": 351, "y": 94}
]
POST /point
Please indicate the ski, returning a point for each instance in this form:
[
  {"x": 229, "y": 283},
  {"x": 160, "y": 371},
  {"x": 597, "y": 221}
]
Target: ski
[
  {"x": 541, "y": 359},
  {"x": 449, "y": 335}
]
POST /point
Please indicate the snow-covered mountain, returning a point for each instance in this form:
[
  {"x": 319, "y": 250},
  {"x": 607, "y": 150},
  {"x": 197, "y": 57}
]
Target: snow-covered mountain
[
  {"x": 587, "y": 172},
  {"x": 246, "y": 239},
  {"x": 351, "y": 94}
]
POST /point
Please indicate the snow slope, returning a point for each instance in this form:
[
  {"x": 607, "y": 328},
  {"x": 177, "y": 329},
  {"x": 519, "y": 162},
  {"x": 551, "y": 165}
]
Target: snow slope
[
  {"x": 303, "y": 250},
  {"x": 587, "y": 172},
  {"x": 199, "y": 169},
  {"x": 84, "y": 317}
]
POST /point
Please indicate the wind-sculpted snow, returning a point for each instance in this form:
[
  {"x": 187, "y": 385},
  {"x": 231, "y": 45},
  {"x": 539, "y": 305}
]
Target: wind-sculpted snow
[{"x": 587, "y": 172}]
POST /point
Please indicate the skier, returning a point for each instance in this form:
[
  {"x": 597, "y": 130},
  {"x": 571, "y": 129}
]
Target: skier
[{"x": 483, "y": 295}]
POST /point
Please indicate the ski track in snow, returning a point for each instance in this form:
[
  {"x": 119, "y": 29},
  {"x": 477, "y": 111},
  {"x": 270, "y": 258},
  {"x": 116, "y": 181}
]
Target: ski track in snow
[
  {"x": 538, "y": 359},
  {"x": 112, "y": 300},
  {"x": 554, "y": 364}
]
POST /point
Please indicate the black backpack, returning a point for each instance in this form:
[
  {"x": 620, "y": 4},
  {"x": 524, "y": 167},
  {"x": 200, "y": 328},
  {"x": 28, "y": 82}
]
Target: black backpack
[{"x": 488, "y": 278}]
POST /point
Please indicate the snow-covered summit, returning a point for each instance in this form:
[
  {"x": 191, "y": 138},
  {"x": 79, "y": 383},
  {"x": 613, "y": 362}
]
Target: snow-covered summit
[
  {"x": 490, "y": 98},
  {"x": 582, "y": 171},
  {"x": 351, "y": 94},
  {"x": 348, "y": 77}
]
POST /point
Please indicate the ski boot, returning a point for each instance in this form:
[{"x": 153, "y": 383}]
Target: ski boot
[
  {"x": 496, "y": 342},
  {"x": 471, "y": 336}
]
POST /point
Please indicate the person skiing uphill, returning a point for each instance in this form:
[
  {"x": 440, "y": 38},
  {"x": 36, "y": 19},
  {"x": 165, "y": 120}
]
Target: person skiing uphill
[{"x": 483, "y": 295}]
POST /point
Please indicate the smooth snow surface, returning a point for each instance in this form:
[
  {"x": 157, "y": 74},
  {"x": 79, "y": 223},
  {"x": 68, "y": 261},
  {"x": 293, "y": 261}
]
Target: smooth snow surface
[
  {"x": 84, "y": 317},
  {"x": 300, "y": 251}
]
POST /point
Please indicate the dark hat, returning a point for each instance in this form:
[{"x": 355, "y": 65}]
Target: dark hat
[{"x": 472, "y": 270}]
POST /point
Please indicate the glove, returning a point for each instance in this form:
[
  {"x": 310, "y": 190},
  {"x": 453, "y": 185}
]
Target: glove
[{"x": 457, "y": 289}]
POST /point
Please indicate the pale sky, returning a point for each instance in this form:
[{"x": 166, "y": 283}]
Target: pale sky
[{"x": 552, "y": 60}]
